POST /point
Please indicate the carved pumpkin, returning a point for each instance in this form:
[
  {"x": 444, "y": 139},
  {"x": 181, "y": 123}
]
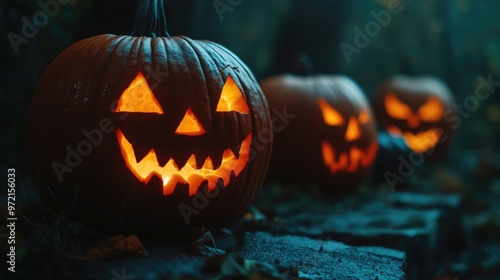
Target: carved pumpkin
[
  {"x": 149, "y": 132},
  {"x": 414, "y": 109},
  {"x": 332, "y": 141}
]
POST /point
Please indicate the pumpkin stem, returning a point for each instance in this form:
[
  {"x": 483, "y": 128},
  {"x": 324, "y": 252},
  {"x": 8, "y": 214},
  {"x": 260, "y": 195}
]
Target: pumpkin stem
[
  {"x": 302, "y": 64},
  {"x": 150, "y": 19}
]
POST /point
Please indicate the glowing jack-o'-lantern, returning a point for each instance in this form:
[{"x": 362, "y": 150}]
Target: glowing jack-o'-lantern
[
  {"x": 149, "y": 132},
  {"x": 354, "y": 158},
  {"x": 414, "y": 109},
  {"x": 332, "y": 139}
]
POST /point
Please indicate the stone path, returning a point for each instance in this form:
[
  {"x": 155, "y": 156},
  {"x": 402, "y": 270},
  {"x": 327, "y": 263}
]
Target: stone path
[{"x": 394, "y": 236}]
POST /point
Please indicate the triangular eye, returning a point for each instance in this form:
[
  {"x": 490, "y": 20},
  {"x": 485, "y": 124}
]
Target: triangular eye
[
  {"x": 330, "y": 115},
  {"x": 432, "y": 110},
  {"x": 231, "y": 98},
  {"x": 364, "y": 117},
  {"x": 395, "y": 108},
  {"x": 190, "y": 125},
  {"x": 138, "y": 98}
]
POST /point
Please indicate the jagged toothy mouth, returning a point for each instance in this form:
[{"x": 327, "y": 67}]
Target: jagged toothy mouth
[
  {"x": 349, "y": 161},
  {"x": 419, "y": 142},
  {"x": 189, "y": 174}
]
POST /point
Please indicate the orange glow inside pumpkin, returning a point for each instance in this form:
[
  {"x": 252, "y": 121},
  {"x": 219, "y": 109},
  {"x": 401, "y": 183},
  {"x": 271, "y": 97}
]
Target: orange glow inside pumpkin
[
  {"x": 138, "y": 98},
  {"x": 419, "y": 142},
  {"x": 232, "y": 99},
  {"x": 432, "y": 110},
  {"x": 190, "y": 174},
  {"x": 355, "y": 158},
  {"x": 398, "y": 110},
  {"x": 330, "y": 115},
  {"x": 350, "y": 161},
  {"x": 395, "y": 108},
  {"x": 190, "y": 125},
  {"x": 334, "y": 118}
]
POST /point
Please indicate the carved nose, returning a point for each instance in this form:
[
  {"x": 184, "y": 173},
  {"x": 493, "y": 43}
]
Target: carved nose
[{"x": 353, "y": 130}]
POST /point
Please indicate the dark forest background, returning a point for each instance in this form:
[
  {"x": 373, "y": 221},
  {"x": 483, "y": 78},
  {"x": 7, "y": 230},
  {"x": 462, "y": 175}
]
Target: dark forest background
[{"x": 456, "y": 40}]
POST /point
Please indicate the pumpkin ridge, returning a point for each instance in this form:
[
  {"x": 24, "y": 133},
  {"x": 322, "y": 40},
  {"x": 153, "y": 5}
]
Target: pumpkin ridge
[
  {"x": 205, "y": 67},
  {"x": 250, "y": 90},
  {"x": 105, "y": 62},
  {"x": 104, "y": 56},
  {"x": 216, "y": 48}
]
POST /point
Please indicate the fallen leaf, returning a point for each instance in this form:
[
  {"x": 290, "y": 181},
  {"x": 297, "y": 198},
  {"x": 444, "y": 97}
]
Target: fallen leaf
[{"x": 117, "y": 246}]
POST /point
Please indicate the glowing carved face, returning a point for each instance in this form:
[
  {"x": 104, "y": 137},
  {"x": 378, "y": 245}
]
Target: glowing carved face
[
  {"x": 419, "y": 139},
  {"x": 139, "y": 98},
  {"x": 354, "y": 158}
]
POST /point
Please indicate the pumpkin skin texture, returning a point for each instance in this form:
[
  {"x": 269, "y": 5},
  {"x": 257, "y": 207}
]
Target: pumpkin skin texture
[
  {"x": 416, "y": 109},
  {"x": 332, "y": 141},
  {"x": 93, "y": 88}
]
